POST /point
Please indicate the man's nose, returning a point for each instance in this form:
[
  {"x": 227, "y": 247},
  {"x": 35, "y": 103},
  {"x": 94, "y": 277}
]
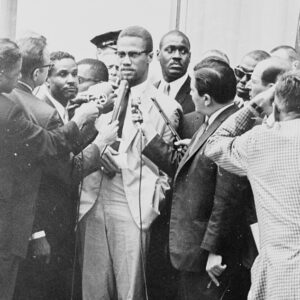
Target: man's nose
[
  {"x": 248, "y": 85},
  {"x": 176, "y": 54},
  {"x": 244, "y": 79},
  {"x": 71, "y": 78},
  {"x": 126, "y": 60}
]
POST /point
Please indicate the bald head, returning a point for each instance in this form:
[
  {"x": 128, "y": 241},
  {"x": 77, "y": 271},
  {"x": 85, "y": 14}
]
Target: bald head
[
  {"x": 175, "y": 33},
  {"x": 266, "y": 73},
  {"x": 244, "y": 70},
  {"x": 287, "y": 53},
  {"x": 174, "y": 55}
]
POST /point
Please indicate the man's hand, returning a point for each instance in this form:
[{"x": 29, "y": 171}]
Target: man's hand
[
  {"x": 214, "y": 267},
  {"x": 265, "y": 100},
  {"x": 108, "y": 164},
  {"x": 41, "y": 249},
  {"x": 239, "y": 102},
  {"x": 182, "y": 143},
  {"x": 85, "y": 113},
  {"x": 108, "y": 106},
  {"x": 107, "y": 134}
]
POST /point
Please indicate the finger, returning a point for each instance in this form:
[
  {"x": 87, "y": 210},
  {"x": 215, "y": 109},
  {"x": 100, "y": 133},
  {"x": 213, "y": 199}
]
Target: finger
[
  {"x": 110, "y": 151},
  {"x": 47, "y": 259},
  {"x": 213, "y": 278},
  {"x": 109, "y": 165}
]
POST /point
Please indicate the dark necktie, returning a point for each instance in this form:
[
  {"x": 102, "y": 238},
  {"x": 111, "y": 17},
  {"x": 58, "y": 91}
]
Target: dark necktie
[
  {"x": 121, "y": 118},
  {"x": 199, "y": 133}
]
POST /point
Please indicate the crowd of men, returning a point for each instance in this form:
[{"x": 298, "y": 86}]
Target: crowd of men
[{"x": 187, "y": 188}]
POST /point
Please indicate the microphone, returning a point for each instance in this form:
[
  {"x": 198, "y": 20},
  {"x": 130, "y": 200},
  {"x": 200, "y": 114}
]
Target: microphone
[
  {"x": 135, "y": 110},
  {"x": 100, "y": 91}
]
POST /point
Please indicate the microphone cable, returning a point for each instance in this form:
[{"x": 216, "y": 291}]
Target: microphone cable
[
  {"x": 76, "y": 222},
  {"x": 142, "y": 252}
]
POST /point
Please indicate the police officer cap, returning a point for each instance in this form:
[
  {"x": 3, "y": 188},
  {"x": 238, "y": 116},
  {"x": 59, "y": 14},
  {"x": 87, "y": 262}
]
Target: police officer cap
[{"x": 108, "y": 39}]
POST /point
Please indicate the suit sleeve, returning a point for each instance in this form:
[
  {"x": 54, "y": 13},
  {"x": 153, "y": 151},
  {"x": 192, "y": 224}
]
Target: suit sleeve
[
  {"x": 160, "y": 150},
  {"x": 228, "y": 146},
  {"x": 28, "y": 143}
]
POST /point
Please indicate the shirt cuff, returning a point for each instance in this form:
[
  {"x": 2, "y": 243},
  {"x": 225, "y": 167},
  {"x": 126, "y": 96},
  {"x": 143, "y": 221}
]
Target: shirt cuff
[{"x": 38, "y": 235}]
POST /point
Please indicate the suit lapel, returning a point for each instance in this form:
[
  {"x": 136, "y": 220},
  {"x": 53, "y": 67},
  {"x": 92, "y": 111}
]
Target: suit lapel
[
  {"x": 157, "y": 84},
  {"x": 203, "y": 138},
  {"x": 183, "y": 91}
]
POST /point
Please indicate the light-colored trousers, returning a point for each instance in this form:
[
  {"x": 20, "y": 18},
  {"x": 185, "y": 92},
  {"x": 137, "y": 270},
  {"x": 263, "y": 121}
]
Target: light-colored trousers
[
  {"x": 9, "y": 265},
  {"x": 112, "y": 261}
]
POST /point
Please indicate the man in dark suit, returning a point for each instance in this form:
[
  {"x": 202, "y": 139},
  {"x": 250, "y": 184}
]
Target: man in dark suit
[
  {"x": 46, "y": 273},
  {"x": 207, "y": 226},
  {"x": 24, "y": 146},
  {"x": 174, "y": 58}
]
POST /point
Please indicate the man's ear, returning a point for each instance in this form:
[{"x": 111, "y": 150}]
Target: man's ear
[
  {"x": 35, "y": 74},
  {"x": 207, "y": 100},
  {"x": 150, "y": 57},
  {"x": 296, "y": 65},
  {"x": 158, "y": 54}
]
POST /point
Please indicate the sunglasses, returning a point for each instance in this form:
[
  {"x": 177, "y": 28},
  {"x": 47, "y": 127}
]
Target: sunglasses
[{"x": 240, "y": 73}]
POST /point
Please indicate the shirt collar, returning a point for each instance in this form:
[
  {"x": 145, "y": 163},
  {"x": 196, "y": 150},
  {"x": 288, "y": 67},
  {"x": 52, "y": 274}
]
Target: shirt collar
[
  {"x": 217, "y": 113},
  {"x": 26, "y": 85},
  {"x": 137, "y": 90},
  {"x": 174, "y": 85},
  {"x": 62, "y": 111}
]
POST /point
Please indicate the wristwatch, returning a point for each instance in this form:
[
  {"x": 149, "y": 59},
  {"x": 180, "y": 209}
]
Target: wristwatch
[{"x": 257, "y": 108}]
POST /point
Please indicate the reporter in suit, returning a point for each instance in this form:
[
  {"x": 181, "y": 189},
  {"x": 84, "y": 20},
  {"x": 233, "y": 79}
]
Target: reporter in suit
[
  {"x": 24, "y": 146},
  {"x": 115, "y": 228},
  {"x": 207, "y": 225},
  {"x": 36, "y": 275}
]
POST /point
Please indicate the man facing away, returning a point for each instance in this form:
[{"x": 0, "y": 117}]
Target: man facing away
[
  {"x": 208, "y": 228},
  {"x": 24, "y": 146},
  {"x": 125, "y": 205},
  {"x": 269, "y": 156}
]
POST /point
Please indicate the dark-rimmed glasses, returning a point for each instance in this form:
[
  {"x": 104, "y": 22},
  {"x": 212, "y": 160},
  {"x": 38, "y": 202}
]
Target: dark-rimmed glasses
[
  {"x": 240, "y": 73},
  {"x": 130, "y": 54}
]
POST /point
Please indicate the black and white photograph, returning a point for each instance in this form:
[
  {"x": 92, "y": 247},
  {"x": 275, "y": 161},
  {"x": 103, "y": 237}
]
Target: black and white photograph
[{"x": 149, "y": 150}]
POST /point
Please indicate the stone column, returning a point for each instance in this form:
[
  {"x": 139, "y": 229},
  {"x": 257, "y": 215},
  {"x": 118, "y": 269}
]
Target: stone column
[{"x": 8, "y": 18}]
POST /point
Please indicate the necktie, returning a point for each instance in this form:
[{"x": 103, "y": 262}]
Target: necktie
[
  {"x": 199, "y": 133},
  {"x": 167, "y": 89},
  {"x": 121, "y": 118}
]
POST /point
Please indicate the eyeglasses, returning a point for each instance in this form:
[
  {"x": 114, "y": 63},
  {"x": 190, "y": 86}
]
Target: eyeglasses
[
  {"x": 131, "y": 54},
  {"x": 240, "y": 73},
  {"x": 85, "y": 79},
  {"x": 46, "y": 66}
]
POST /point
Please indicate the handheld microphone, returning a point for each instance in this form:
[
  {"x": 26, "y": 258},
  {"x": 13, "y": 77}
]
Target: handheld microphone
[{"x": 101, "y": 91}]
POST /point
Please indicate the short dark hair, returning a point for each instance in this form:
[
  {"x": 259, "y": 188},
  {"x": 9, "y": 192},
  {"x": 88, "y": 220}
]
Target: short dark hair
[
  {"x": 177, "y": 33},
  {"x": 140, "y": 32},
  {"x": 10, "y": 54},
  {"x": 59, "y": 55},
  {"x": 258, "y": 55},
  {"x": 32, "y": 50},
  {"x": 216, "y": 78},
  {"x": 288, "y": 92},
  {"x": 274, "y": 70},
  {"x": 289, "y": 50},
  {"x": 99, "y": 69}
]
